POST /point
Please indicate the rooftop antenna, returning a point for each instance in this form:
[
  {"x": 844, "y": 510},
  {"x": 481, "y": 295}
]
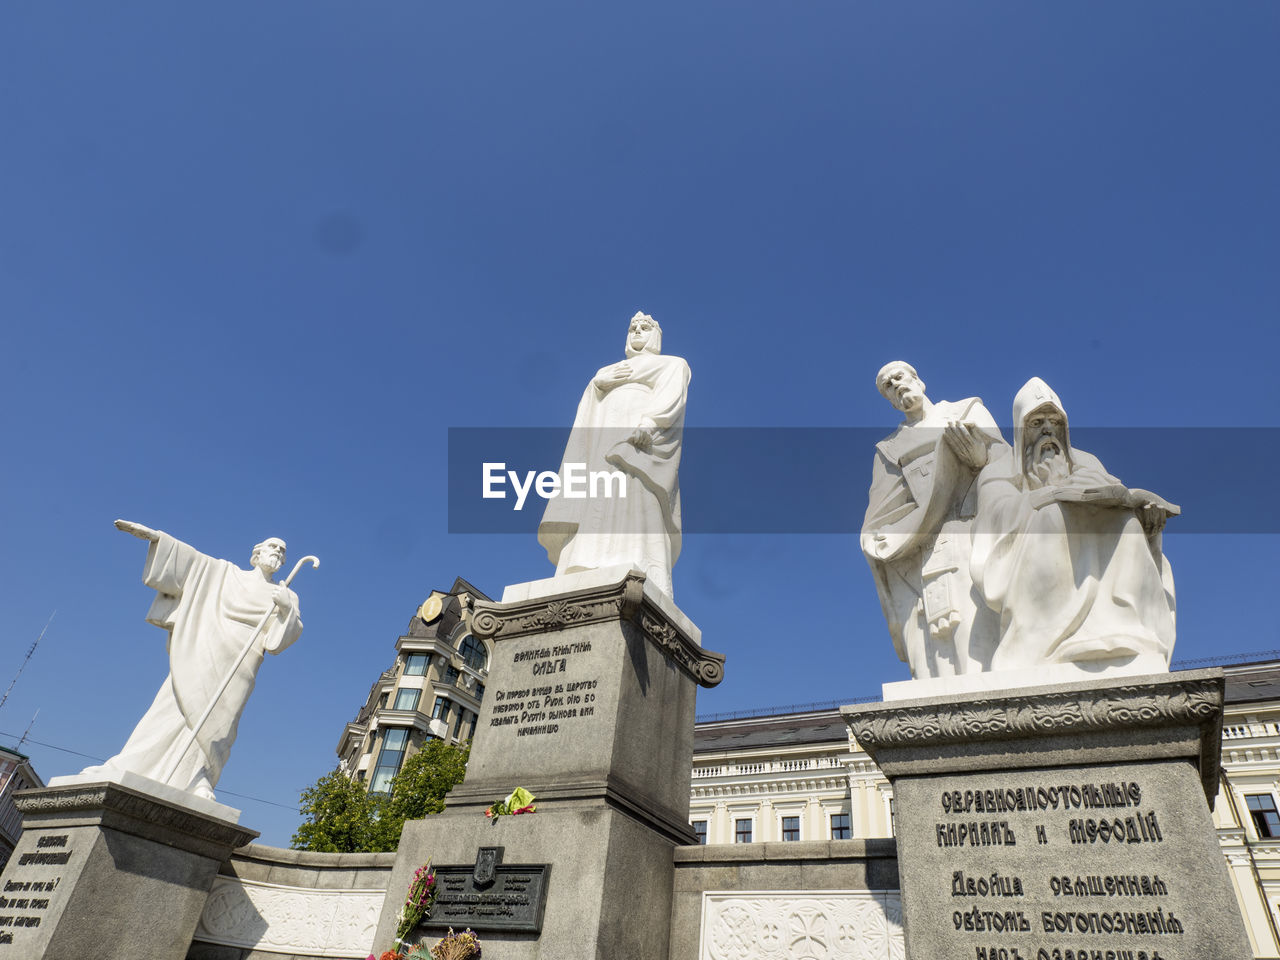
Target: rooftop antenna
[
  {"x": 14, "y": 681},
  {"x": 28, "y": 730}
]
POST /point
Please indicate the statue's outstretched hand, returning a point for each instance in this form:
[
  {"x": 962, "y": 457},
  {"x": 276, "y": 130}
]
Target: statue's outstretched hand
[
  {"x": 138, "y": 530},
  {"x": 965, "y": 443}
]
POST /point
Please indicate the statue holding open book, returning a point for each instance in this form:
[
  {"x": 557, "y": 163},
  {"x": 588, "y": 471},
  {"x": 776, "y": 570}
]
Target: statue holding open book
[
  {"x": 996, "y": 558},
  {"x": 1068, "y": 556}
]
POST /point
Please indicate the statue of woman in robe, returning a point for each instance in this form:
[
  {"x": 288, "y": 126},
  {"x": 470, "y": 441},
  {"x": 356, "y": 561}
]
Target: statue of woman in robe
[{"x": 630, "y": 420}]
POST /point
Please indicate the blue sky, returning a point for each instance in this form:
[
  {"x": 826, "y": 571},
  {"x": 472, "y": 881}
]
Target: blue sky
[{"x": 257, "y": 259}]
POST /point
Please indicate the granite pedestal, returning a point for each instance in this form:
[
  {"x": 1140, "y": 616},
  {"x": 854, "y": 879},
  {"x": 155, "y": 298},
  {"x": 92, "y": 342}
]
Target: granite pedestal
[
  {"x": 1060, "y": 822},
  {"x": 590, "y": 706},
  {"x": 108, "y": 871}
]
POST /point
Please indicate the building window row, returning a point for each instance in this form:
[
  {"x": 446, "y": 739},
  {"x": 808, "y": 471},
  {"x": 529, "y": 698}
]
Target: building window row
[
  {"x": 407, "y": 698},
  {"x": 394, "y": 743},
  {"x": 1266, "y": 819},
  {"x": 744, "y": 828}
]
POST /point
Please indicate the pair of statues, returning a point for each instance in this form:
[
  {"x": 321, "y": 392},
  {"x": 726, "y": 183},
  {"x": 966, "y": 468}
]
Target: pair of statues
[
  {"x": 222, "y": 620},
  {"x": 988, "y": 557}
]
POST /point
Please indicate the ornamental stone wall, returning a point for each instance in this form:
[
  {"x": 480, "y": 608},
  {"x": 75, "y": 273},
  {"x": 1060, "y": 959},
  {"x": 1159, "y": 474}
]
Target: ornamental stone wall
[
  {"x": 833, "y": 899},
  {"x": 274, "y": 904}
]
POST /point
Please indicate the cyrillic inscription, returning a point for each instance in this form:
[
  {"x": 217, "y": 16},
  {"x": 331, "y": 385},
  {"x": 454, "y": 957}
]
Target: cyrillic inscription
[
  {"x": 543, "y": 706},
  {"x": 1007, "y": 910},
  {"x": 31, "y": 895}
]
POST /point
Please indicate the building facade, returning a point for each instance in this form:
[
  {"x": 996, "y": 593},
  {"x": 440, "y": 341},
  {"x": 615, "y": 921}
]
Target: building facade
[
  {"x": 15, "y": 774},
  {"x": 799, "y": 776},
  {"x": 432, "y": 691}
]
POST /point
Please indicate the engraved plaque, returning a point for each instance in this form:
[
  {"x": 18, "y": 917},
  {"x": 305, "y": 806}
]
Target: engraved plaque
[{"x": 490, "y": 895}]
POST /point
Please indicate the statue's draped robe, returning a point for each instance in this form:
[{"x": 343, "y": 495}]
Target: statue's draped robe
[
  {"x": 1072, "y": 582},
  {"x": 210, "y": 608},
  {"x": 642, "y": 529},
  {"x": 915, "y": 536}
]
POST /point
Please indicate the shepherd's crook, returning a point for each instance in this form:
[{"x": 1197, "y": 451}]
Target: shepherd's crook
[{"x": 226, "y": 681}]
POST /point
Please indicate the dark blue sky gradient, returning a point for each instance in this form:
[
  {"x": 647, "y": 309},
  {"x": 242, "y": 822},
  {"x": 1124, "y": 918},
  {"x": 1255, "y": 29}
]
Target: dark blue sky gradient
[{"x": 256, "y": 259}]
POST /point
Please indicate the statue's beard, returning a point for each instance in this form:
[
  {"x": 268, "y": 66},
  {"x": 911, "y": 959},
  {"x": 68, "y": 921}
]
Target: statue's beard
[
  {"x": 268, "y": 565},
  {"x": 1048, "y": 462}
]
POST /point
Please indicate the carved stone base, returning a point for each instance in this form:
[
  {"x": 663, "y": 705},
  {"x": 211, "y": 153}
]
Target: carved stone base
[
  {"x": 105, "y": 871},
  {"x": 590, "y": 697},
  {"x": 590, "y": 706},
  {"x": 1068, "y": 817}
]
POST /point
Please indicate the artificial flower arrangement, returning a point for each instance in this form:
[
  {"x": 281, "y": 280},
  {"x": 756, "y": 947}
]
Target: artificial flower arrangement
[{"x": 518, "y": 801}]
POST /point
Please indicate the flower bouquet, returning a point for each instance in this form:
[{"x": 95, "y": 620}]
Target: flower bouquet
[
  {"x": 456, "y": 946},
  {"x": 418, "y": 902},
  {"x": 519, "y": 801}
]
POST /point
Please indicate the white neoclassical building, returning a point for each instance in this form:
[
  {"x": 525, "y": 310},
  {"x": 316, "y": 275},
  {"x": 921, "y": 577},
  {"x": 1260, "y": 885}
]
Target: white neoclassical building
[{"x": 797, "y": 775}]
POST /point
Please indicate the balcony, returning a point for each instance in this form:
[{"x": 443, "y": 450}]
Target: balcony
[{"x": 757, "y": 767}]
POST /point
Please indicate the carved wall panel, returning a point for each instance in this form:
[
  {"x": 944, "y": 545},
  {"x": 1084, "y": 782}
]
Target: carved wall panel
[
  {"x": 274, "y": 918},
  {"x": 801, "y": 925}
]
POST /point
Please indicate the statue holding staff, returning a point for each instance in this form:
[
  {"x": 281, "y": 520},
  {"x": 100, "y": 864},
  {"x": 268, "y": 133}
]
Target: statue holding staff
[{"x": 221, "y": 621}]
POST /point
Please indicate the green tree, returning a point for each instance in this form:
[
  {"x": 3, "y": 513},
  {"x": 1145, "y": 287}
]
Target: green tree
[
  {"x": 418, "y": 789},
  {"x": 342, "y": 817}
]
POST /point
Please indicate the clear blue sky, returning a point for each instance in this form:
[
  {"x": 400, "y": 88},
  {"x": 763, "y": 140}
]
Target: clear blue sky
[{"x": 257, "y": 258}]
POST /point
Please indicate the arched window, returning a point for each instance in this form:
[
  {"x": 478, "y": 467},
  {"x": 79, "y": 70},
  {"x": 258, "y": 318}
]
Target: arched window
[{"x": 473, "y": 652}]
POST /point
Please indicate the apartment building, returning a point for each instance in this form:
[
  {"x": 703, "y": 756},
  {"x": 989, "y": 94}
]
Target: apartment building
[{"x": 433, "y": 690}]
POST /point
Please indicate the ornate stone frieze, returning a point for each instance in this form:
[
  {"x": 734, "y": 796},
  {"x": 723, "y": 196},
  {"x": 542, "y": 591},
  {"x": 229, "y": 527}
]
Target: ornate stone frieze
[
  {"x": 801, "y": 925},
  {"x": 273, "y": 918},
  {"x": 706, "y": 667},
  {"x": 1037, "y": 714},
  {"x": 108, "y": 799},
  {"x": 543, "y": 615},
  {"x": 59, "y": 801},
  {"x": 620, "y": 601}
]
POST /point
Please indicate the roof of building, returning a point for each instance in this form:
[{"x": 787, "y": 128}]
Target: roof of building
[
  {"x": 790, "y": 730},
  {"x": 1251, "y": 682}
]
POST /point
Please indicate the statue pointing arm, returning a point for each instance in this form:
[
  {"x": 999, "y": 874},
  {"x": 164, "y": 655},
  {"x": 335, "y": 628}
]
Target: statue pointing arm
[
  {"x": 138, "y": 530},
  {"x": 221, "y": 620}
]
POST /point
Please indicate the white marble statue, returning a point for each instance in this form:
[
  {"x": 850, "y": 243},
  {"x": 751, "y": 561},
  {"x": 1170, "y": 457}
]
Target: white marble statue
[
  {"x": 916, "y": 531},
  {"x": 1068, "y": 556},
  {"x": 210, "y": 609},
  {"x": 630, "y": 419}
]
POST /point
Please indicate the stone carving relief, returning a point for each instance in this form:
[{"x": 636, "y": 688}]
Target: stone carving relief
[
  {"x": 1195, "y": 701},
  {"x": 272, "y": 918},
  {"x": 623, "y": 601},
  {"x": 802, "y": 925}
]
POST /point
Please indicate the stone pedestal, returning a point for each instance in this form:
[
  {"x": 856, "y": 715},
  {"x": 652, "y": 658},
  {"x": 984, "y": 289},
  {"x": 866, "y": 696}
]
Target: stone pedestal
[
  {"x": 107, "y": 871},
  {"x": 590, "y": 706},
  {"x": 1052, "y": 822}
]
